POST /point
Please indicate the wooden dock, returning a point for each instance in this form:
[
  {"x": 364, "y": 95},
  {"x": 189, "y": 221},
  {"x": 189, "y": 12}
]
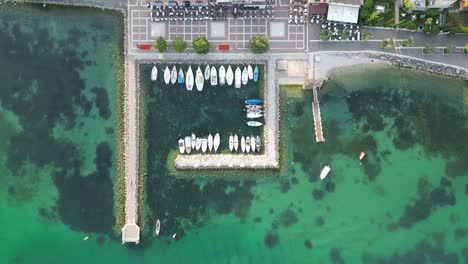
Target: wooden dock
[{"x": 316, "y": 107}]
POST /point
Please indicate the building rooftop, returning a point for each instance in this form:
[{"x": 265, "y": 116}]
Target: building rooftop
[{"x": 347, "y": 2}]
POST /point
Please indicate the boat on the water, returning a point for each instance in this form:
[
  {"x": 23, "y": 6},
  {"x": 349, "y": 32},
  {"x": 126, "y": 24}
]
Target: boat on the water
[
  {"x": 362, "y": 155},
  {"x": 229, "y": 76},
  {"x": 254, "y": 123},
  {"x": 167, "y": 75},
  {"x": 252, "y": 143},
  {"x": 250, "y": 72},
  {"x": 253, "y": 101},
  {"x": 180, "y": 77},
  {"x": 255, "y": 74},
  {"x": 247, "y": 144},
  {"x": 199, "y": 81},
  {"x": 207, "y": 72},
  {"x": 189, "y": 79},
  {"x": 231, "y": 143},
  {"x": 188, "y": 146},
  {"x": 198, "y": 143},
  {"x": 154, "y": 73},
  {"x": 236, "y": 142},
  {"x": 324, "y": 172},
  {"x": 174, "y": 75},
  {"x": 254, "y": 115},
  {"x": 193, "y": 141},
  {"x": 210, "y": 142},
  {"x": 157, "y": 227},
  {"x": 253, "y": 107},
  {"x": 243, "y": 144},
  {"x": 214, "y": 76},
  {"x": 222, "y": 75},
  {"x": 216, "y": 142},
  {"x": 204, "y": 144},
  {"x": 253, "y": 110},
  {"x": 245, "y": 76},
  {"x": 258, "y": 143},
  {"x": 181, "y": 146},
  {"x": 237, "y": 79}
]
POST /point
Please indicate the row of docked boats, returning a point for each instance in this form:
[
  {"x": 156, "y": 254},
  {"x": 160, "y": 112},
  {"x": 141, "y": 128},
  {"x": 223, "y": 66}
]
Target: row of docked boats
[
  {"x": 247, "y": 144},
  {"x": 189, "y": 143},
  {"x": 215, "y": 76},
  {"x": 254, "y": 110}
]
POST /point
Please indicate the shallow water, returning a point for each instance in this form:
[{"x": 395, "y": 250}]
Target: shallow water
[{"x": 406, "y": 203}]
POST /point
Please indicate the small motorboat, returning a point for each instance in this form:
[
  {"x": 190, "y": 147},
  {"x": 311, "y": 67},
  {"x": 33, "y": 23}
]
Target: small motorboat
[
  {"x": 216, "y": 142},
  {"x": 324, "y": 172},
  {"x": 199, "y": 81},
  {"x": 157, "y": 227},
  {"x": 174, "y": 235},
  {"x": 210, "y": 142},
  {"x": 253, "y": 107},
  {"x": 154, "y": 73},
  {"x": 181, "y": 146},
  {"x": 188, "y": 146},
  {"x": 362, "y": 155},
  {"x": 204, "y": 144},
  {"x": 231, "y": 143},
  {"x": 236, "y": 142},
  {"x": 180, "y": 77},
  {"x": 229, "y": 76},
  {"x": 207, "y": 72},
  {"x": 247, "y": 144},
  {"x": 86, "y": 238},
  {"x": 245, "y": 76},
  {"x": 253, "y": 101},
  {"x": 222, "y": 75},
  {"x": 254, "y": 123},
  {"x": 258, "y": 143},
  {"x": 193, "y": 141},
  {"x": 254, "y": 115},
  {"x": 255, "y": 74},
  {"x": 237, "y": 78},
  {"x": 250, "y": 72},
  {"x": 252, "y": 143},
  {"x": 256, "y": 111},
  {"x": 214, "y": 77},
  {"x": 198, "y": 143},
  {"x": 167, "y": 75},
  {"x": 174, "y": 75},
  {"x": 189, "y": 79},
  {"x": 243, "y": 144}
]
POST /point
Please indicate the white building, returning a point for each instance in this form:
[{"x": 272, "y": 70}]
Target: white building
[{"x": 345, "y": 11}]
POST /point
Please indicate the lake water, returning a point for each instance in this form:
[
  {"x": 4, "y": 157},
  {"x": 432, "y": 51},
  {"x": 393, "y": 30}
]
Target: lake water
[{"x": 406, "y": 202}]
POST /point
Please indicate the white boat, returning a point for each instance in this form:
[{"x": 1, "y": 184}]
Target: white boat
[
  {"x": 174, "y": 75},
  {"x": 216, "y": 142},
  {"x": 188, "y": 147},
  {"x": 199, "y": 81},
  {"x": 231, "y": 143},
  {"x": 250, "y": 72},
  {"x": 154, "y": 73},
  {"x": 207, "y": 72},
  {"x": 204, "y": 145},
  {"x": 214, "y": 76},
  {"x": 174, "y": 235},
  {"x": 247, "y": 144},
  {"x": 193, "y": 141},
  {"x": 229, "y": 76},
  {"x": 198, "y": 143},
  {"x": 258, "y": 143},
  {"x": 252, "y": 143},
  {"x": 167, "y": 75},
  {"x": 157, "y": 227},
  {"x": 189, "y": 79},
  {"x": 236, "y": 142},
  {"x": 222, "y": 75},
  {"x": 253, "y": 106},
  {"x": 324, "y": 172},
  {"x": 245, "y": 76},
  {"x": 254, "y": 115},
  {"x": 86, "y": 238},
  {"x": 210, "y": 142},
  {"x": 237, "y": 79},
  {"x": 243, "y": 144},
  {"x": 181, "y": 146},
  {"x": 254, "y": 123},
  {"x": 256, "y": 111}
]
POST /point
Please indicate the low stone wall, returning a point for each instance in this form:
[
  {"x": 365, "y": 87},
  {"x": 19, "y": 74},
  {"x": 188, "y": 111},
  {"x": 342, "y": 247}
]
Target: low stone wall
[{"x": 107, "y": 4}]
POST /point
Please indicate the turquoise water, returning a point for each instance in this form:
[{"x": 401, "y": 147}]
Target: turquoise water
[{"x": 406, "y": 202}]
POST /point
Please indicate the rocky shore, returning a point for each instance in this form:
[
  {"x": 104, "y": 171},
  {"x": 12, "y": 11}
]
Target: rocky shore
[{"x": 107, "y": 4}]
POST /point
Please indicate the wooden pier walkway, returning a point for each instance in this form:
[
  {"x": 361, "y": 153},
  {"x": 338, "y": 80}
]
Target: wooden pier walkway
[{"x": 316, "y": 108}]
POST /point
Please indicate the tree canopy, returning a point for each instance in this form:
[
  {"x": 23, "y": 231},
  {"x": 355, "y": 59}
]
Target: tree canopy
[
  {"x": 201, "y": 45},
  {"x": 259, "y": 44},
  {"x": 179, "y": 44},
  {"x": 161, "y": 44}
]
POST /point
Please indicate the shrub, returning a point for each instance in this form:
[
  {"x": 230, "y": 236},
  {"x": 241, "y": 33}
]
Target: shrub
[
  {"x": 408, "y": 42},
  {"x": 325, "y": 34},
  {"x": 367, "y": 36},
  {"x": 428, "y": 49},
  {"x": 160, "y": 44},
  {"x": 201, "y": 45},
  {"x": 387, "y": 43},
  {"x": 259, "y": 44},
  {"x": 179, "y": 44},
  {"x": 449, "y": 49},
  {"x": 465, "y": 50},
  {"x": 432, "y": 12},
  {"x": 408, "y": 4},
  {"x": 435, "y": 29},
  {"x": 412, "y": 25}
]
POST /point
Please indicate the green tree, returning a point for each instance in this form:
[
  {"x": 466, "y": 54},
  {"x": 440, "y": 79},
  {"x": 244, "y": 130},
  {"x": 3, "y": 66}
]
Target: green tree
[
  {"x": 325, "y": 34},
  {"x": 428, "y": 49},
  {"x": 179, "y": 44},
  {"x": 449, "y": 49},
  {"x": 201, "y": 45},
  {"x": 466, "y": 49},
  {"x": 408, "y": 42},
  {"x": 408, "y": 4},
  {"x": 387, "y": 43},
  {"x": 259, "y": 44},
  {"x": 367, "y": 36},
  {"x": 160, "y": 44}
]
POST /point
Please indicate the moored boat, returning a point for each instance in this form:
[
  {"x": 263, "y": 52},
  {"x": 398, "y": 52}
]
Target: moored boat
[
  {"x": 229, "y": 76},
  {"x": 247, "y": 144},
  {"x": 362, "y": 155},
  {"x": 254, "y": 123},
  {"x": 207, "y": 72},
  {"x": 237, "y": 79},
  {"x": 199, "y": 81},
  {"x": 188, "y": 146},
  {"x": 204, "y": 144},
  {"x": 157, "y": 227},
  {"x": 174, "y": 75},
  {"x": 154, "y": 73},
  {"x": 236, "y": 142},
  {"x": 193, "y": 141},
  {"x": 243, "y": 144},
  {"x": 180, "y": 77},
  {"x": 210, "y": 142},
  {"x": 253, "y": 101},
  {"x": 255, "y": 74},
  {"x": 198, "y": 143},
  {"x": 254, "y": 115},
  {"x": 167, "y": 75},
  {"x": 250, "y": 72},
  {"x": 222, "y": 75},
  {"x": 258, "y": 143},
  {"x": 253, "y": 107},
  {"x": 231, "y": 143},
  {"x": 214, "y": 76},
  {"x": 252, "y": 143},
  {"x": 216, "y": 142},
  {"x": 324, "y": 172},
  {"x": 253, "y": 110},
  {"x": 181, "y": 146},
  {"x": 245, "y": 76},
  {"x": 189, "y": 79}
]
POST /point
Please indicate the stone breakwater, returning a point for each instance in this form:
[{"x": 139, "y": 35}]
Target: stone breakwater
[{"x": 107, "y": 4}]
